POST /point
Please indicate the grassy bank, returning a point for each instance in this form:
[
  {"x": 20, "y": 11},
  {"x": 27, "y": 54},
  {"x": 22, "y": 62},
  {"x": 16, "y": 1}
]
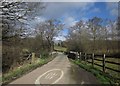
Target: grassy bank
[
  {"x": 20, "y": 71},
  {"x": 100, "y": 76}
]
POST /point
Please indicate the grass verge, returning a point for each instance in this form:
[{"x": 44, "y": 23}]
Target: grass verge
[
  {"x": 113, "y": 66},
  {"x": 12, "y": 75},
  {"x": 59, "y": 48},
  {"x": 99, "y": 75}
]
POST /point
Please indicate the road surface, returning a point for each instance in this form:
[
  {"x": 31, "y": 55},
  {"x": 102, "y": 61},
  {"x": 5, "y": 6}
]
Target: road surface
[{"x": 58, "y": 71}]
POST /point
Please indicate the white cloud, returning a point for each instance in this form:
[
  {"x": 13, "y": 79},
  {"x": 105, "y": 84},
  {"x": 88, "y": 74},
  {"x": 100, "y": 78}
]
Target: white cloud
[
  {"x": 57, "y": 10},
  {"x": 114, "y": 12},
  {"x": 84, "y": 19},
  {"x": 110, "y": 0},
  {"x": 39, "y": 19},
  {"x": 80, "y": 0},
  {"x": 62, "y": 0},
  {"x": 69, "y": 21},
  {"x": 66, "y": 11},
  {"x": 62, "y": 38},
  {"x": 36, "y": 21},
  {"x": 113, "y": 8},
  {"x": 96, "y": 10}
]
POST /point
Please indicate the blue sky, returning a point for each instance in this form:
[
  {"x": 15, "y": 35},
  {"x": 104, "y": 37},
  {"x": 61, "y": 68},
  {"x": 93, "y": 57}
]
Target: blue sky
[{"x": 71, "y": 12}]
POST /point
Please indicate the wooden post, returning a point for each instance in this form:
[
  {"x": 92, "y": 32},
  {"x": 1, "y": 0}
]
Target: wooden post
[
  {"x": 80, "y": 55},
  {"x": 76, "y": 56},
  {"x": 33, "y": 57},
  {"x": 104, "y": 63},
  {"x": 85, "y": 56},
  {"x": 93, "y": 59}
]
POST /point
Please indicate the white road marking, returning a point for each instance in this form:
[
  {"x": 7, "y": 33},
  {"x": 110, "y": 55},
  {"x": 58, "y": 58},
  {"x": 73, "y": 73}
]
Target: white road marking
[
  {"x": 62, "y": 73},
  {"x": 53, "y": 75},
  {"x": 47, "y": 77}
]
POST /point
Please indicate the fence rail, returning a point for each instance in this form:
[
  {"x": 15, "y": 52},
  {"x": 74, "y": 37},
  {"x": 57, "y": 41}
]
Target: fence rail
[{"x": 103, "y": 61}]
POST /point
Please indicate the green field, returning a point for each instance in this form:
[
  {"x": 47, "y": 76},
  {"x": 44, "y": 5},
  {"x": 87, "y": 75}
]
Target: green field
[
  {"x": 59, "y": 48},
  {"x": 113, "y": 66}
]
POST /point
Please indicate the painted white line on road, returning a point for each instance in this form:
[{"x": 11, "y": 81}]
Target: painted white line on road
[
  {"x": 48, "y": 75},
  {"x": 62, "y": 73},
  {"x": 53, "y": 75}
]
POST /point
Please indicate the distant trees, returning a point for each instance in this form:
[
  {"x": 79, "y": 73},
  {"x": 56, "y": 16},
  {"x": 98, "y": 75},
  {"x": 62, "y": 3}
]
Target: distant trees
[
  {"x": 78, "y": 37},
  {"x": 47, "y": 31},
  {"x": 75, "y": 37},
  {"x": 95, "y": 35}
]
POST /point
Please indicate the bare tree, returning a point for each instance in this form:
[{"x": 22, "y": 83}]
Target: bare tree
[
  {"x": 52, "y": 28},
  {"x": 78, "y": 36},
  {"x": 94, "y": 25}
]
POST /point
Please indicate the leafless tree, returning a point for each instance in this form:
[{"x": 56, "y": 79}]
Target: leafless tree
[
  {"x": 94, "y": 24},
  {"x": 52, "y": 28}
]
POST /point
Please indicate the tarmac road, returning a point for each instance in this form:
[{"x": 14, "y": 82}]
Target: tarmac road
[{"x": 59, "y": 71}]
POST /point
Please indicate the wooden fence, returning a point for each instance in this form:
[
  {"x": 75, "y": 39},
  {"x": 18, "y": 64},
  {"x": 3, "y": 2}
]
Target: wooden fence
[{"x": 93, "y": 57}]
